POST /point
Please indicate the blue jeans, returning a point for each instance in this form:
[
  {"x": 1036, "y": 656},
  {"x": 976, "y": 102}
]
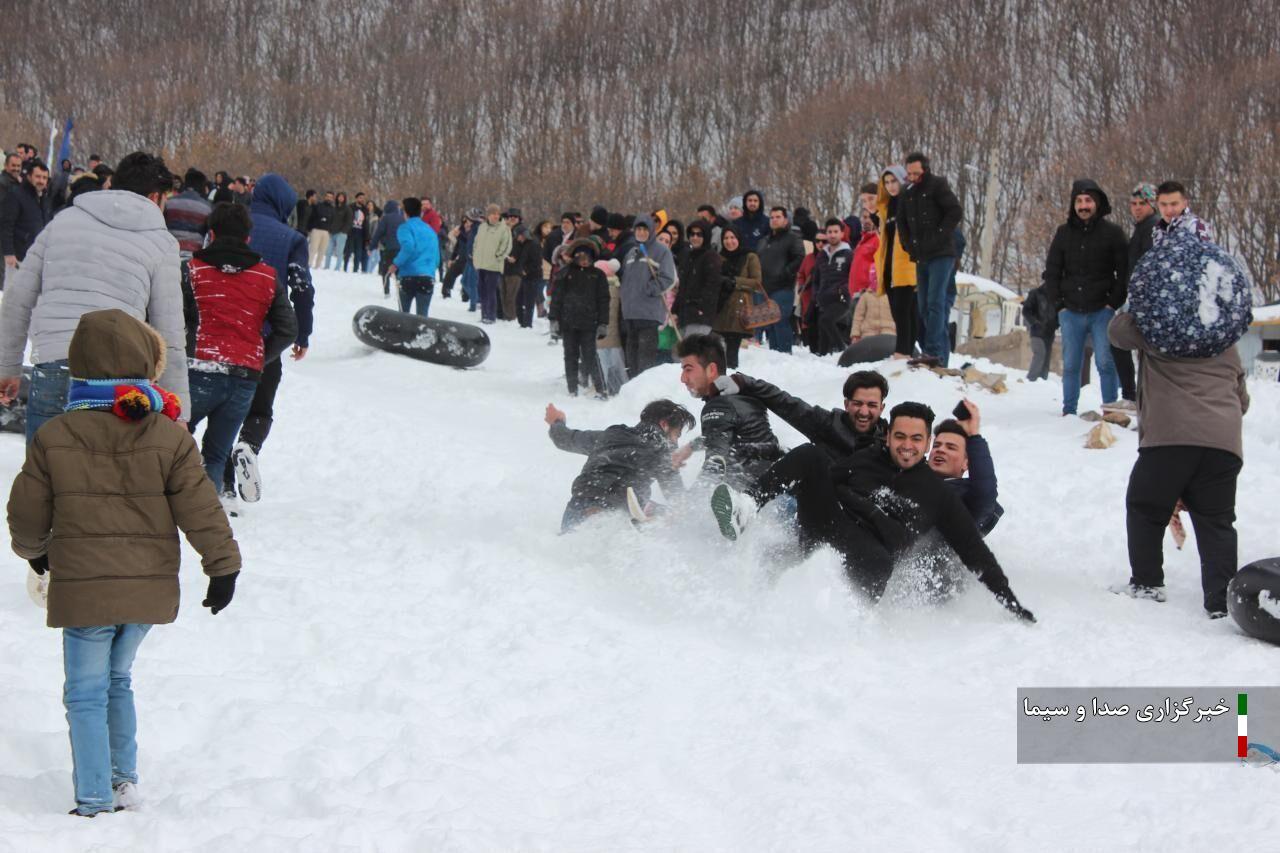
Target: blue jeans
[
  {"x": 780, "y": 334},
  {"x": 1075, "y": 327},
  {"x": 337, "y": 248},
  {"x": 225, "y": 401},
  {"x": 417, "y": 287},
  {"x": 933, "y": 291},
  {"x": 471, "y": 286},
  {"x": 98, "y": 696},
  {"x": 47, "y": 394},
  {"x": 490, "y": 282}
]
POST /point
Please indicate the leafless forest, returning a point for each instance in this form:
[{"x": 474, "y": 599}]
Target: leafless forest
[{"x": 641, "y": 103}]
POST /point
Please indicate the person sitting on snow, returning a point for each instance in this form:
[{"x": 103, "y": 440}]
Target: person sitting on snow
[
  {"x": 872, "y": 507},
  {"x": 957, "y": 448},
  {"x": 622, "y": 457}
]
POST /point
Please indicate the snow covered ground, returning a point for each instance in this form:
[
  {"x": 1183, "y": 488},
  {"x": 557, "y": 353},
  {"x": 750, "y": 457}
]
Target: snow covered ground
[{"x": 416, "y": 660}]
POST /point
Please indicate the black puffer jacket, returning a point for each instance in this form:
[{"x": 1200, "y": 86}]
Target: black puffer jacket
[
  {"x": 617, "y": 458},
  {"x": 928, "y": 215},
  {"x": 900, "y": 506},
  {"x": 1141, "y": 241},
  {"x": 23, "y": 215},
  {"x": 739, "y": 442},
  {"x": 1087, "y": 268},
  {"x": 582, "y": 299},
  {"x": 781, "y": 254},
  {"x": 829, "y": 429},
  {"x": 698, "y": 298},
  {"x": 321, "y": 218}
]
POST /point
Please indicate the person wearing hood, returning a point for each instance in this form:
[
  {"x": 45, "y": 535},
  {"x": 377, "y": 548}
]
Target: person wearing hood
[
  {"x": 753, "y": 225},
  {"x": 698, "y": 300},
  {"x": 417, "y": 261},
  {"x": 384, "y": 239},
  {"x": 648, "y": 271},
  {"x": 98, "y": 505},
  {"x": 741, "y": 281},
  {"x": 230, "y": 296},
  {"x": 580, "y": 312},
  {"x": 1086, "y": 274},
  {"x": 895, "y": 271},
  {"x": 111, "y": 249},
  {"x": 928, "y": 215},
  {"x": 781, "y": 254},
  {"x": 831, "y": 290}
]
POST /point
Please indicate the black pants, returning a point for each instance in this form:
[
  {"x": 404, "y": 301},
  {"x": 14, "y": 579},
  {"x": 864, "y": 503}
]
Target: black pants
[
  {"x": 257, "y": 424},
  {"x": 580, "y": 350},
  {"x": 385, "y": 260},
  {"x": 641, "y": 346},
  {"x": 806, "y": 473},
  {"x": 1123, "y": 360},
  {"x": 732, "y": 343},
  {"x": 832, "y": 329},
  {"x": 526, "y": 300},
  {"x": 905, "y": 311},
  {"x": 1204, "y": 478}
]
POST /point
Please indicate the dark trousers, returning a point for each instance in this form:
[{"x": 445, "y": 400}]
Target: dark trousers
[
  {"x": 490, "y": 283},
  {"x": 906, "y": 313},
  {"x": 580, "y": 350},
  {"x": 1204, "y": 478},
  {"x": 257, "y": 424},
  {"x": 355, "y": 251},
  {"x": 832, "y": 330},
  {"x": 419, "y": 288},
  {"x": 641, "y": 346},
  {"x": 527, "y": 300},
  {"x": 1123, "y": 360},
  {"x": 510, "y": 294},
  {"x": 806, "y": 473},
  {"x": 732, "y": 343},
  {"x": 388, "y": 256}
]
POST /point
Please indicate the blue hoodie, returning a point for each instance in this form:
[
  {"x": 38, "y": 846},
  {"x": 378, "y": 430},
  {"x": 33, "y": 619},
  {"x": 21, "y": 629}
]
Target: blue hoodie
[
  {"x": 282, "y": 247},
  {"x": 419, "y": 249},
  {"x": 384, "y": 236}
]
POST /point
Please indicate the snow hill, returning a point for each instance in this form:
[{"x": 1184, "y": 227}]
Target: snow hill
[{"x": 416, "y": 661}]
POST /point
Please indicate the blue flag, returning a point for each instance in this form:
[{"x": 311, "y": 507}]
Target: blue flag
[{"x": 64, "y": 153}]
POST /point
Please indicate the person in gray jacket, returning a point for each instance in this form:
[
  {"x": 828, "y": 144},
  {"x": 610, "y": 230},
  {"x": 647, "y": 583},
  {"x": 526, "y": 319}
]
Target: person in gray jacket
[
  {"x": 648, "y": 271},
  {"x": 110, "y": 249}
]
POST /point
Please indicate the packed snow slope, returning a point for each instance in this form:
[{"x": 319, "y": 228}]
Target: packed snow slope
[{"x": 416, "y": 660}]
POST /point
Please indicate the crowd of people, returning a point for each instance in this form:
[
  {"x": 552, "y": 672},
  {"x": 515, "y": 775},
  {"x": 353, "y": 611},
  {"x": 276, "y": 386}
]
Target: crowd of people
[{"x": 155, "y": 303}]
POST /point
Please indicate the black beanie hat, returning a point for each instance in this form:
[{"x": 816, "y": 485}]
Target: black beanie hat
[
  {"x": 617, "y": 221},
  {"x": 600, "y": 216}
]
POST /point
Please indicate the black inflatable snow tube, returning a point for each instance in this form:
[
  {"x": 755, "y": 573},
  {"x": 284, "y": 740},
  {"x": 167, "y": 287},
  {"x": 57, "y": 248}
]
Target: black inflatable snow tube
[{"x": 1253, "y": 599}]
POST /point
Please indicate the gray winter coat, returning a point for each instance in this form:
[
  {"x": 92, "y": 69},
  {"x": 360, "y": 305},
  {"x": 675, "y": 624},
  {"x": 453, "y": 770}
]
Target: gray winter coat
[
  {"x": 647, "y": 272},
  {"x": 110, "y": 249}
]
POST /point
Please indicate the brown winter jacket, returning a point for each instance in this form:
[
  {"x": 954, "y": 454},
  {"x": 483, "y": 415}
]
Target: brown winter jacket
[
  {"x": 104, "y": 497},
  {"x": 872, "y": 316},
  {"x": 749, "y": 281},
  {"x": 1194, "y": 401}
]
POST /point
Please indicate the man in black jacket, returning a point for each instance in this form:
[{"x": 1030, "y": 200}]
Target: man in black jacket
[
  {"x": 836, "y": 432},
  {"x": 24, "y": 212},
  {"x": 831, "y": 301},
  {"x": 580, "y": 313},
  {"x": 959, "y": 448},
  {"x": 736, "y": 435},
  {"x": 1086, "y": 275},
  {"x": 781, "y": 253},
  {"x": 1142, "y": 207},
  {"x": 928, "y": 215},
  {"x": 622, "y": 457},
  {"x": 319, "y": 228},
  {"x": 872, "y": 507}
]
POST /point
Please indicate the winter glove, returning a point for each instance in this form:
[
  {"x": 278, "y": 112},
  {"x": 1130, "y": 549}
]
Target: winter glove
[
  {"x": 40, "y": 564},
  {"x": 221, "y": 590},
  {"x": 1011, "y": 603},
  {"x": 602, "y": 332},
  {"x": 727, "y": 385}
]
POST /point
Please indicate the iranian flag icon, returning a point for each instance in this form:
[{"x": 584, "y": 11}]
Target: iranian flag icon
[{"x": 1242, "y": 730}]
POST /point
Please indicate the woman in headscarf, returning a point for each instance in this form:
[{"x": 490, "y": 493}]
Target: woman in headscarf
[
  {"x": 895, "y": 271},
  {"x": 740, "y": 277}
]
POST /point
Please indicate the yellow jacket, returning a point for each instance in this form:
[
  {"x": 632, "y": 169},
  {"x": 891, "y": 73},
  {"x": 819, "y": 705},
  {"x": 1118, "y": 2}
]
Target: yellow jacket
[{"x": 904, "y": 269}]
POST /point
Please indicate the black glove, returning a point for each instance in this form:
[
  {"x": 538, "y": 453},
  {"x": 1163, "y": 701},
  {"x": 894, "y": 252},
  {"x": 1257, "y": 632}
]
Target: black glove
[
  {"x": 40, "y": 564},
  {"x": 1010, "y": 603},
  {"x": 602, "y": 332},
  {"x": 221, "y": 590}
]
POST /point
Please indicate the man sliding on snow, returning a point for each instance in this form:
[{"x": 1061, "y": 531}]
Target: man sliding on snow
[
  {"x": 872, "y": 506},
  {"x": 957, "y": 448},
  {"x": 621, "y": 458}
]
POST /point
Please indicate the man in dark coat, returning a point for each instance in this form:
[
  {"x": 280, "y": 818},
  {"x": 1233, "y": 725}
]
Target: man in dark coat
[
  {"x": 24, "y": 212},
  {"x": 1086, "y": 275},
  {"x": 928, "y": 215},
  {"x": 872, "y": 507},
  {"x": 580, "y": 312},
  {"x": 832, "y": 303},
  {"x": 1142, "y": 207},
  {"x": 754, "y": 223},
  {"x": 781, "y": 253},
  {"x": 622, "y": 457}
]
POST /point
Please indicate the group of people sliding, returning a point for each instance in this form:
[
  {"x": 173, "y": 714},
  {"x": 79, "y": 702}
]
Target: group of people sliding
[{"x": 869, "y": 487}]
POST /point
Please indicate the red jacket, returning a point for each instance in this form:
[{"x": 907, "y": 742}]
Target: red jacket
[
  {"x": 805, "y": 280},
  {"x": 862, "y": 275},
  {"x": 233, "y": 292},
  {"x": 432, "y": 218}
]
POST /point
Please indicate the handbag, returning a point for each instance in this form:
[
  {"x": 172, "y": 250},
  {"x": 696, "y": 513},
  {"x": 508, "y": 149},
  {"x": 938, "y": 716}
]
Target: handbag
[{"x": 755, "y": 317}]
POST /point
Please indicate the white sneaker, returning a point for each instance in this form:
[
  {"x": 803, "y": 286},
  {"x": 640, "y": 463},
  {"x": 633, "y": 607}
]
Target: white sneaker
[
  {"x": 127, "y": 796},
  {"x": 1135, "y": 590},
  {"x": 230, "y": 505},
  {"x": 733, "y": 510},
  {"x": 245, "y": 464},
  {"x": 1120, "y": 406}
]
